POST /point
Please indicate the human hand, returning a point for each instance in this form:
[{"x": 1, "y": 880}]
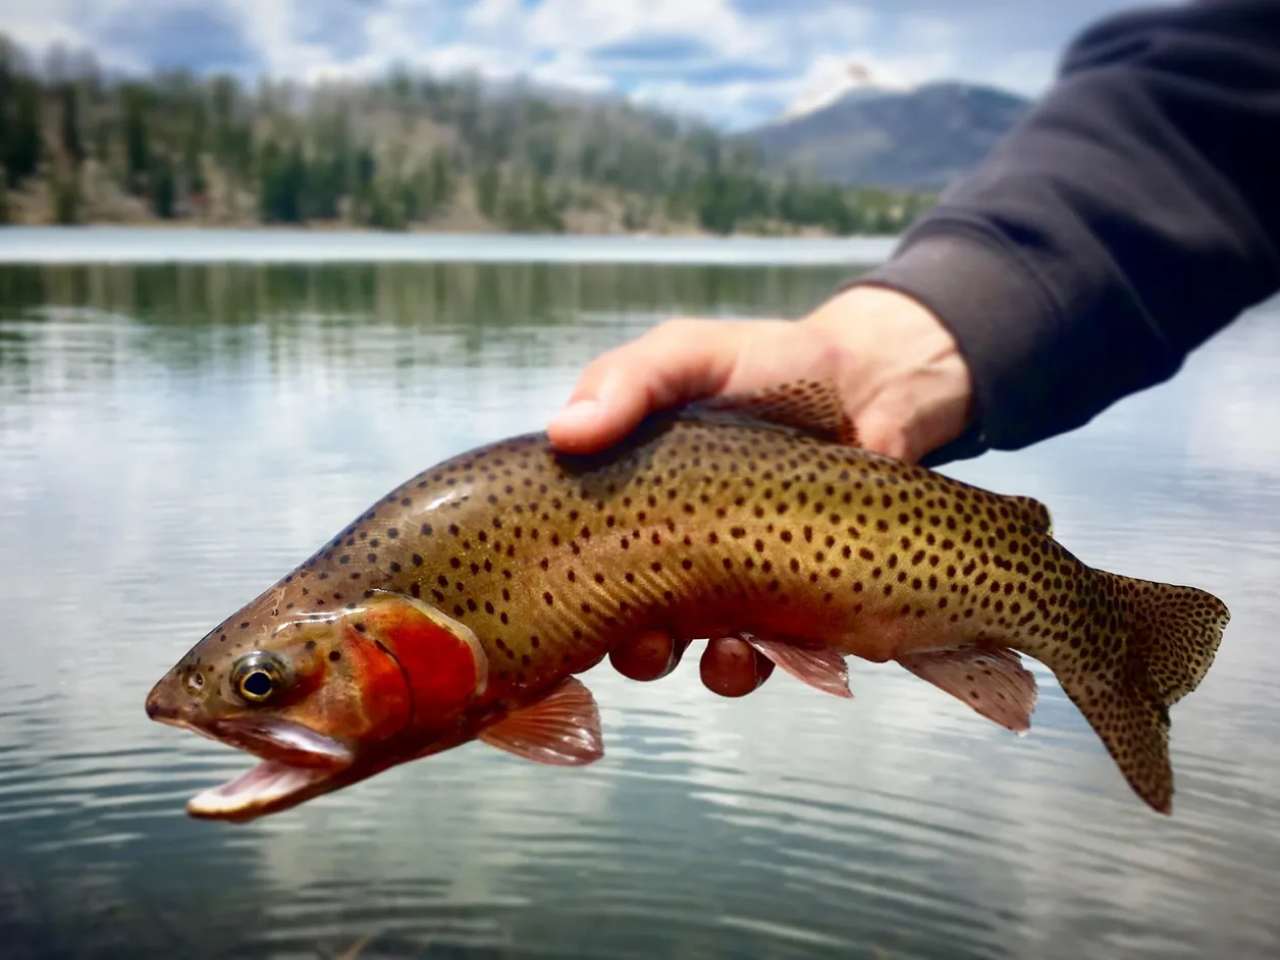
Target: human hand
[
  {"x": 730, "y": 666},
  {"x": 897, "y": 369}
]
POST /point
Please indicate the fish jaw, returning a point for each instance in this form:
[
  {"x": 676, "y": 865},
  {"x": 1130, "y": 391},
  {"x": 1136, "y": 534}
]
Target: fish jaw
[
  {"x": 274, "y": 786},
  {"x": 284, "y": 742},
  {"x": 269, "y": 787},
  {"x": 295, "y": 764}
]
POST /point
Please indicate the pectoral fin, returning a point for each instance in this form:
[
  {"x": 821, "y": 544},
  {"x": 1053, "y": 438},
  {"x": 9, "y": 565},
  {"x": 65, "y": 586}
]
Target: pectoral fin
[
  {"x": 561, "y": 729},
  {"x": 992, "y": 681}
]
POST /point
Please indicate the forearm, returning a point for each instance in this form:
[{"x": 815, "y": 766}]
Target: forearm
[{"x": 1135, "y": 213}]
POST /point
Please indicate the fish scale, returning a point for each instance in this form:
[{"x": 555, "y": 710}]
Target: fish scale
[
  {"x": 758, "y": 515},
  {"x": 828, "y": 537}
]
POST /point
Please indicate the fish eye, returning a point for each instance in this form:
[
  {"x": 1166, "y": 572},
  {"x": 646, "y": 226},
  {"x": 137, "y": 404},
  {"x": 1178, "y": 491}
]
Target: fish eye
[{"x": 258, "y": 676}]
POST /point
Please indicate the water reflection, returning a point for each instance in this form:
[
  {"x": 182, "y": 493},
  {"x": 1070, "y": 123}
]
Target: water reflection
[{"x": 172, "y": 438}]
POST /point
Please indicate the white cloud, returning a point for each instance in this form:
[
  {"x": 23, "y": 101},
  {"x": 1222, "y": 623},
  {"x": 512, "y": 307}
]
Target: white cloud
[
  {"x": 275, "y": 29},
  {"x": 828, "y": 77},
  {"x": 486, "y": 14},
  {"x": 729, "y": 63},
  {"x": 585, "y": 24},
  {"x": 1029, "y": 72},
  {"x": 928, "y": 31},
  {"x": 38, "y": 25}
]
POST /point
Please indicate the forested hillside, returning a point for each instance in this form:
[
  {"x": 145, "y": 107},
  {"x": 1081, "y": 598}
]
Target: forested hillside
[{"x": 408, "y": 151}]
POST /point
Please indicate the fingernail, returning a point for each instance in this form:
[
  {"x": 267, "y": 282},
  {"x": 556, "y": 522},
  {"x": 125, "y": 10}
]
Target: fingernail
[{"x": 581, "y": 413}]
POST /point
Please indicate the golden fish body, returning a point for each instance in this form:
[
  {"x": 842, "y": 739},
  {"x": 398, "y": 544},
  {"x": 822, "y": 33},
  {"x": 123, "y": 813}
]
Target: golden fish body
[{"x": 744, "y": 516}]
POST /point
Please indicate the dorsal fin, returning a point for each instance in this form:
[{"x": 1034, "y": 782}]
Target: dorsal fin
[
  {"x": 1032, "y": 512},
  {"x": 812, "y": 406}
]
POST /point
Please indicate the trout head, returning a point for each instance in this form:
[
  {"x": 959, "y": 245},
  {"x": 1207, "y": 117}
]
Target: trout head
[{"x": 324, "y": 699}]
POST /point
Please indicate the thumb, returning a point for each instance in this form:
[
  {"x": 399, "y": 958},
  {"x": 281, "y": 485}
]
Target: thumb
[{"x": 678, "y": 361}]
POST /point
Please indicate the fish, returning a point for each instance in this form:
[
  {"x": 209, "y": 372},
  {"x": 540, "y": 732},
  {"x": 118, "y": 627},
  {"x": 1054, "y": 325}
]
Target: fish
[{"x": 464, "y": 604}]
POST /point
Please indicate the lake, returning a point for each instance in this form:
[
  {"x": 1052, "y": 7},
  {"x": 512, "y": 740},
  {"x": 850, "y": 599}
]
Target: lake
[{"x": 174, "y": 436}]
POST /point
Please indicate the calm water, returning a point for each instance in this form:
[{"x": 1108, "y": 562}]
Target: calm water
[
  {"x": 81, "y": 245},
  {"x": 172, "y": 438}
]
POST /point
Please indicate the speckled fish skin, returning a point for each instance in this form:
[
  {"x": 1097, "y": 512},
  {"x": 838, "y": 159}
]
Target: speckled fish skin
[{"x": 710, "y": 521}]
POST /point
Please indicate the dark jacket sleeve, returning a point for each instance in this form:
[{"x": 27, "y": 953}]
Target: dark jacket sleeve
[{"x": 1133, "y": 214}]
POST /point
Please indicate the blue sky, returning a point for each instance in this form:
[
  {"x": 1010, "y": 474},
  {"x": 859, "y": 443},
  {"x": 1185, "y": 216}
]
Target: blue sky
[{"x": 733, "y": 61}]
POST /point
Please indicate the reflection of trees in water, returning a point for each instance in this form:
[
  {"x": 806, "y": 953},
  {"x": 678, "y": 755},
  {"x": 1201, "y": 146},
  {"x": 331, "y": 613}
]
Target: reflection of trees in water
[
  {"x": 186, "y": 317},
  {"x": 411, "y": 294}
]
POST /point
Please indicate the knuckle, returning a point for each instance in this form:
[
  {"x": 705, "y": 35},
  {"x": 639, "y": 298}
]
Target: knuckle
[{"x": 884, "y": 433}]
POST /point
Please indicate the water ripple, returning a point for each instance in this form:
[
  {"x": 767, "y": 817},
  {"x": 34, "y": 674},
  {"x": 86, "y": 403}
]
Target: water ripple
[{"x": 156, "y": 474}]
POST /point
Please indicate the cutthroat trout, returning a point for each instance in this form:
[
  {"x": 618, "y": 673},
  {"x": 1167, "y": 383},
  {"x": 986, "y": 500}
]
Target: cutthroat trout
[{"x": 461, "y": 605}]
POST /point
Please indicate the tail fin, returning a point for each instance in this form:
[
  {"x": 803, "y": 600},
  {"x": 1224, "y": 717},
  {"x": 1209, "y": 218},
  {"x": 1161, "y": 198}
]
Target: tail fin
[{"x": 1146, "y": 647}]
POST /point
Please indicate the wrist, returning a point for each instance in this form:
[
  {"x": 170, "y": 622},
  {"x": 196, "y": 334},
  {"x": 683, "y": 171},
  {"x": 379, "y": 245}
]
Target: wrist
[
  {"x": 885, "y": 323},
  {"x": 902, "y": 375}
]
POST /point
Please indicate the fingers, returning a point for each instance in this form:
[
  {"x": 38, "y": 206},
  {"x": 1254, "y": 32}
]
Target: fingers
[
  {"x": 729, "y": 666},
  {"x": 897, "y": 367},
  {"x": 684, "y": 360},
  {"x": 650, "y": 656},
  {"x": 678, "y": 361}
]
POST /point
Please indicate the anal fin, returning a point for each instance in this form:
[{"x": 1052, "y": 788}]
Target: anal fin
[
  {"x": 825, "y": 670},
  {"x": 991, "y": 681},
  {"x": 562, "y": 729}
]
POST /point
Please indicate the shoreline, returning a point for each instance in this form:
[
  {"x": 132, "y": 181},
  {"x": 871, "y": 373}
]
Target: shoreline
[{"x": 138, "y": 243}]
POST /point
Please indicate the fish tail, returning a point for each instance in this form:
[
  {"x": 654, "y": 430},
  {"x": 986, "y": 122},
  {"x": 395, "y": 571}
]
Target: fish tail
[{"x": 1142, "y": 648}]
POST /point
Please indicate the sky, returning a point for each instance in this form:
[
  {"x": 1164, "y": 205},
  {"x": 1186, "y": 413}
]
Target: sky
[{"x": 735, "y": 62}]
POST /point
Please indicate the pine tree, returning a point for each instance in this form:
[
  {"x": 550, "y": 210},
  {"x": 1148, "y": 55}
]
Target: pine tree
[
  {"x": 137, "y": 136},
  {"x": 163, "y": 188},
  {"x": 22, "y": 138},
  {"x": 488, "y": 183},
  {"x": 66, "y": 200},
  {"x": 72, "y": 142},
  {"x": 441, "y": 179}
]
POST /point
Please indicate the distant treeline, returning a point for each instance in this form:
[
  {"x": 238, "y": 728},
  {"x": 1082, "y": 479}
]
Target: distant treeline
[{"x": 409, "y": 150}]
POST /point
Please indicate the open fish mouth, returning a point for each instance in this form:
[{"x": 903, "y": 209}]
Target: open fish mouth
[
  {"x": 267, "y": 787},
  {"x": 295, "y": 763},
  {"x": 289, "y": 743}
]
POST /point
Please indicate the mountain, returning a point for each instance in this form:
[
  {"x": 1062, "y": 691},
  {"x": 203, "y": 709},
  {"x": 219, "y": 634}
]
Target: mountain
[
  {"x": 914, "y": 139},
  {"x": 843, "y": 82}
]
